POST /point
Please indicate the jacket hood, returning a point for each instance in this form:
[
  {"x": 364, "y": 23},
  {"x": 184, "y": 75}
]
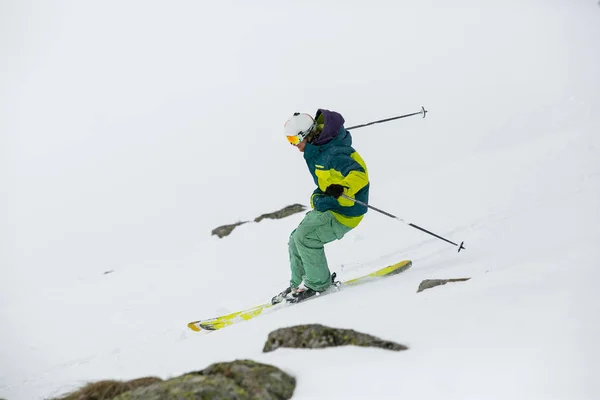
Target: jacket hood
[
  {"x": 332, "y": 123},
  {"x": 340, "y": 142}
]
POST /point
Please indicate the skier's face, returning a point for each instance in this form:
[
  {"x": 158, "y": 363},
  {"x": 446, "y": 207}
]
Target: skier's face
[{"x": 302, "y": 145}]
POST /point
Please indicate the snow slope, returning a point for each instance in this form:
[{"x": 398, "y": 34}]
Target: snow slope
[{"x": 131, "y": 130}]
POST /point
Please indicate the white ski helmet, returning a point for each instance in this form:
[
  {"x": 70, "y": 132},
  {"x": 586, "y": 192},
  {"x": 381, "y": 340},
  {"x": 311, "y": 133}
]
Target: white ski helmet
[{"x": 298, "y": 127}]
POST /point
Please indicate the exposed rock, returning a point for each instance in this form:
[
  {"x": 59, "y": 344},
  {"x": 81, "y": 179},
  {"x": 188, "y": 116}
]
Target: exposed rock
[
  {"x": 225, "y": 230},
  {"x": 318, "y": 336},
  {"x": 261, "y": 381},
  {"x": 429, "y": 283},
  {"x": 237, "y": 380},
  {"x": 284, "y": 212},
  {"x": 186, "y": 387},
  {"x": 104, "y": 390}
]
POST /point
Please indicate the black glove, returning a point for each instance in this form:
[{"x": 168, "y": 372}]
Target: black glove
[{"x": 334, "y": 190}]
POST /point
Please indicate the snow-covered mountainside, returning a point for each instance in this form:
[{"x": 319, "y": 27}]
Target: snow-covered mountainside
[{"x": 131, "y": 130}]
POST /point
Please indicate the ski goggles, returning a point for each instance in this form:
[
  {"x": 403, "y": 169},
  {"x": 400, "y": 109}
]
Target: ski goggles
[{"x": 295, "y": 140}]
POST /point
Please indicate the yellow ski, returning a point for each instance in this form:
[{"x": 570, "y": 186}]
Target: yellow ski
[{"x": 214, "y": 324}]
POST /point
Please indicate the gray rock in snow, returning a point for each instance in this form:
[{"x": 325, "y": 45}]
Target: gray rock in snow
[
  {"x": 225, "y": 230},
  {"x": 284, "y": 212},
  {"x": 108, "y": 389},
  {"x": 318, "y": 336},
  {"x": 237, "y": 380},
  {"x": 430, "y": 283}
]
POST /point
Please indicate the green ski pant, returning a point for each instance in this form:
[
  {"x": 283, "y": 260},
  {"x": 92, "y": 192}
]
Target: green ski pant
[{"x": 307, "y": 254}]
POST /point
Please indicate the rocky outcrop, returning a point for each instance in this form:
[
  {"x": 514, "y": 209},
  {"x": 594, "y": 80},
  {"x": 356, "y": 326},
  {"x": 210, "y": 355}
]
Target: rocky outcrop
[
  {"x": 109, "y": 389},
  {"x": 430, "y": 283},
  {"x": 225, "y": 230},
  {"x": 237, "y": 380},
  {"x": 319, "y": 336},
  {"x": 284, "y": 212}
]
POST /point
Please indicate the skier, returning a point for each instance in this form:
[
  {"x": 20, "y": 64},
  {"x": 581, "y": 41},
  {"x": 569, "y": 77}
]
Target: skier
[{"x": 336, "y": 169}]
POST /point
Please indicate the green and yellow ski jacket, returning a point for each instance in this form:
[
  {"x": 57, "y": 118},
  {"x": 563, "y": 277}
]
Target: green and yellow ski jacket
[{"x": 332, "y": 160}]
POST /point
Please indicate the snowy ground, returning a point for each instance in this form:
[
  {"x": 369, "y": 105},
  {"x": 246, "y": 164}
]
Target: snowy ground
[{"x": 131, "y": 129}]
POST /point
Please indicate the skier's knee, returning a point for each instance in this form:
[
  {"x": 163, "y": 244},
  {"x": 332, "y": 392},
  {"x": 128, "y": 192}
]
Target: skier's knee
[{"x": 309, "y": 242}]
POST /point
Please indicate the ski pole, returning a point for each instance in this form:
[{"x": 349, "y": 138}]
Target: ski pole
[
  {"x": 423, "y": 111},
  {"x": 460, "y": 246}
]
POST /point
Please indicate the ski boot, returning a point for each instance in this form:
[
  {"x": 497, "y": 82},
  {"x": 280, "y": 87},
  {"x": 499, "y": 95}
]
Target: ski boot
[
  {"x": 334, "y": 283},
  {"x": 281, "y": 296},
  {"x": 301, "y": 293}
]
